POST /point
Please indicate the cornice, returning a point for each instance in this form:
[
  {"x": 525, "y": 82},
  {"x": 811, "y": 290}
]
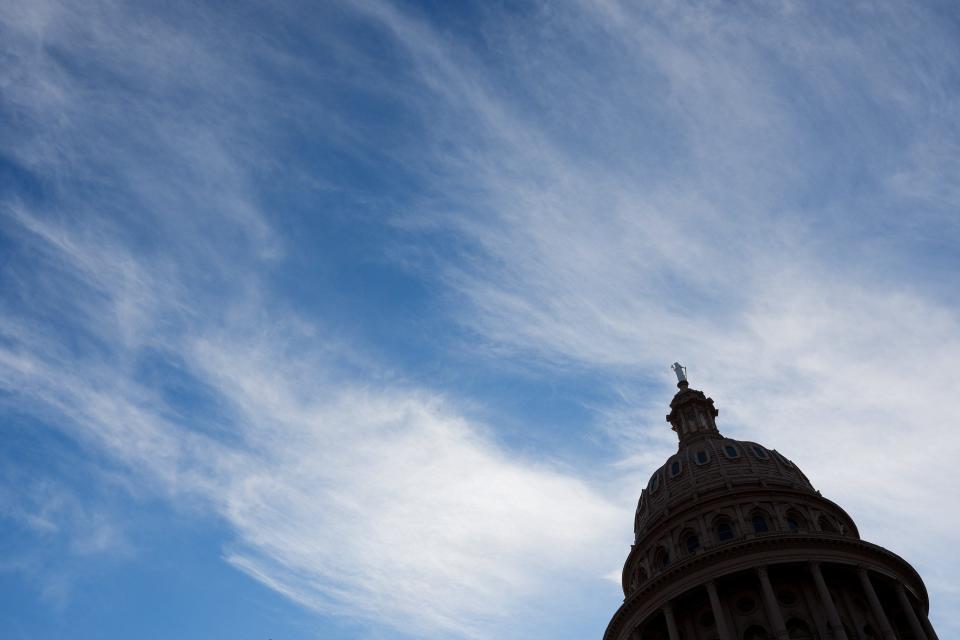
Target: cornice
[{"x": 770, "y": 550}]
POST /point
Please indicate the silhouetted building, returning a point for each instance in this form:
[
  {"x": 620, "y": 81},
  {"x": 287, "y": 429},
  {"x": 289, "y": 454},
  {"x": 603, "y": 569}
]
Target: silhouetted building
[{"x": 734, "y": 543}]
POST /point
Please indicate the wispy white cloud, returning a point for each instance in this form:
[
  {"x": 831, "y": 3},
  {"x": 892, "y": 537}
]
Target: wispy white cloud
[
  {"x": 629, "y": 188},
  {"x": 365, "y": 501},
  {"x": 345, "y": 494},
  {"x": 752, "y": 263},
  {"x": 55, "y": 530}
]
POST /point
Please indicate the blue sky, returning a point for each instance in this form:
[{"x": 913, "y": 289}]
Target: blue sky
[{"x": 355, "y": 320}]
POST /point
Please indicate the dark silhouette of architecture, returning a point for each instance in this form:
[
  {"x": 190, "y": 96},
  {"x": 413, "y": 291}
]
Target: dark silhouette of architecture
[{"x": 734, "y": 543}]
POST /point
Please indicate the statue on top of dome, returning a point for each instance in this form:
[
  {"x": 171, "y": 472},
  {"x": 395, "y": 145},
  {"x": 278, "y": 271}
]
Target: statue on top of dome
[{"x": 680, "y": 370}]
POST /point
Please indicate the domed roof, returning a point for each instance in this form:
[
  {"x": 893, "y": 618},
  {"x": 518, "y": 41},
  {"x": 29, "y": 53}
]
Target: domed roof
[
  {"x": 707, "y": 462},
  {"x": 715, "y": 464}
]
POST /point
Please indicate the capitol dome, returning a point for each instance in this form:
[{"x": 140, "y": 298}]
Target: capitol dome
[
  {"x": 726, "y": 524},
  {"x": 747, "y": 489}
]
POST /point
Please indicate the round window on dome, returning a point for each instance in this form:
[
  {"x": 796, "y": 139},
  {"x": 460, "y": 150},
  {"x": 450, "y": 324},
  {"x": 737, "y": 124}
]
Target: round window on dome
[
  {"x": 760, "y": 452},
  {"x": 755, "y": 632},
  {"x": 654, "y": 482},
  {"x": 702, "y": 457},
  {"x": 731, "y": 451},
  {"x": 675, "y": 468},
  {"x": 797, "y": 628},
  {"x": 746, "y": 605}
]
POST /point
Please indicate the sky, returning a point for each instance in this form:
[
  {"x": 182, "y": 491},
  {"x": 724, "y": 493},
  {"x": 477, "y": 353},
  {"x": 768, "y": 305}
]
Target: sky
[{"x": 354, "y": 320}]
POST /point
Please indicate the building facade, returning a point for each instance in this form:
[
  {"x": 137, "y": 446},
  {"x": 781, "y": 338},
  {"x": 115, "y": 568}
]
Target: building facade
[{"x": 732, "y": 542}]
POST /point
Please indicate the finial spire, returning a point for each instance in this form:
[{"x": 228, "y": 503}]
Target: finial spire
[{"x": 681, "y": 372}]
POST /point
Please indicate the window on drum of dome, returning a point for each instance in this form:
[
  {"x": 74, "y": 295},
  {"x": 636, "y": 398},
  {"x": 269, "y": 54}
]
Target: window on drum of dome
[
  {"x": 759, "y": 452},
  {"x": 826, "y": 525},
  {"x": 795, "y": 521},
  {"x": 675, "y": 468},
  {"x": 724, "y": 530},
  {"x": 731, "y": 451},
  {"x": 760, "y": 523},
  {"x": 702, "y": 457},
  {"x": 693, "y": 543}
]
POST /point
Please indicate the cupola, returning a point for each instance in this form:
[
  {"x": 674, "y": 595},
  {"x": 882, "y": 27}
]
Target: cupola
[{"x": 692, "y": 414}]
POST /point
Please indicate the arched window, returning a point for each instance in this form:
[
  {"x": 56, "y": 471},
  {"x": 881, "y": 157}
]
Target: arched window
[
  {"x": 826, "y": 525},
  {"x": 760, "y": 522},
  {"x": 702, "y": 456},
  {"x": 692, "y": 542},
  {"x": 756, "y": 632},
  {"x": 731, "y": 451},
  {"x": 795, "y": 521},
  {"x": 724, "y": 530},
  {"x": 746, "y": 604},
  {"x": 675, "y": 468},
  {"x": 759, "y": 452},
  {"x": 797, "y": 628}
]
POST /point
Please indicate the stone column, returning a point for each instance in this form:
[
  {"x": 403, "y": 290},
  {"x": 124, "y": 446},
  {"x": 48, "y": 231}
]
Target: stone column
[
  {"x": 773, "y": 609},
  {"x": 808, "y": 591},
  {"x": 689, "y": 630},
  {"x": 672, "y": 550},
  {"x": 832, "y": 615},
  {"x": 744, "y": 529},
  {"x": 915, "y": 626},
  {"x": 718, "y": 614},
  {"x": 672, "y": 622},
  {"x": 885, "y": 629},
  {"x": 706, "y": 535}
]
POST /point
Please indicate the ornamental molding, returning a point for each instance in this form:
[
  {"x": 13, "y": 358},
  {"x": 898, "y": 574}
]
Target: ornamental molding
[{"x": 769, "y": 550}]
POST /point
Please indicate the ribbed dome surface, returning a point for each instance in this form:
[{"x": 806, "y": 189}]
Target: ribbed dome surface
[{"x": 714, "y": 464}]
